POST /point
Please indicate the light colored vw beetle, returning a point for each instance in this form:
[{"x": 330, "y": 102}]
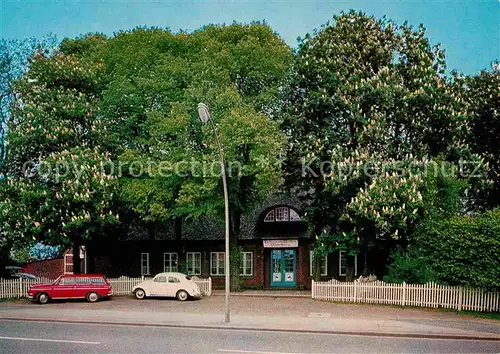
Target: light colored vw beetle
[{"x": 177, "y": 285}]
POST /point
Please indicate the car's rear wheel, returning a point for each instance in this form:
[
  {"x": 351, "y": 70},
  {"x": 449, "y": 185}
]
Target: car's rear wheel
[
  {"x": 182, "y": 295},
  {"x": 140, "y": 294},
  {"x": 92, "y": 297},
  {"x": 42, "y": 298}
]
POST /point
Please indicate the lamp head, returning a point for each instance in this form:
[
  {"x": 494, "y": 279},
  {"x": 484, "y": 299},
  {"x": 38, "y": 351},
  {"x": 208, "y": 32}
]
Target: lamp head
[{"x": 203, "y": 112}]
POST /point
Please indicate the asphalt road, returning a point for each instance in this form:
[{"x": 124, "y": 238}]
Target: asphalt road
[{"x": 42, "y": 337}]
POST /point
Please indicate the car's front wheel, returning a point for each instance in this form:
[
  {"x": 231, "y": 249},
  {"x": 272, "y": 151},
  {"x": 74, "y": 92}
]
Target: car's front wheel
[
  {"x": 92, "y": 297},
  {"x": 140, "y": 294},
  {"x": 42, "y": 298},
  {"x": 182, "y": 295}
]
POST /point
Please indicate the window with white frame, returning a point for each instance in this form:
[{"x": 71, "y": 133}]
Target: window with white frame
[
  {"x": 324, "y": 264},
  {"x": 170, "y": 262},
  {"x": 193, "y": 263},
  {"x": 281, "y": 213},
  {"x": 269, "y": 217},
  {"x": 343, "y": 263},
  {"x": 246, "y": 265},
  {"x": 217, "y": 263},
  {"x": 294, "y": 216},
  {"x": 145, "y": 264}
]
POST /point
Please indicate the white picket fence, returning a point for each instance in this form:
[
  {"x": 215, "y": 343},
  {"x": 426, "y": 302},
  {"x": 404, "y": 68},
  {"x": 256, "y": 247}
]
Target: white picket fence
[
  {"x": 124, "y": 285},
  {"x": 18, "y": 288},
  {"x": 423, "y": 295}
]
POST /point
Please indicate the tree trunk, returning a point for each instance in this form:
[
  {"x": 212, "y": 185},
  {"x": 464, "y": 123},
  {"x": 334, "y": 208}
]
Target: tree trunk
[
  {"x": 350, "y": 268},
  {"x": 181, "y": 250},
  {"x": 151, "y": 246},
  {"x": 5, "y": 258},
  {"x": 76, "y": 257},
  {"x": 234, "y": 253},
  {"x": 90, "y": 258},
  {"x": 317, "y": 268},
  {"x": 317, "y": 231},
  {"x": 234, "y": 265},
  {"x": 366, "y": 270}
]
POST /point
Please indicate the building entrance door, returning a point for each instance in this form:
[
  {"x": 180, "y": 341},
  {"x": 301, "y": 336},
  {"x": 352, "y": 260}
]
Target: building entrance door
[{"x": 283, "y": 268}]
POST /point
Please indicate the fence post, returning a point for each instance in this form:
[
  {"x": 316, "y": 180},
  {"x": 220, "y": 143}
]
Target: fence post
[
  {"x": 460, "y": 295},
  {"x": 313, "y": 288},
  {"x": 403, "y": 302},
  {"x": 355, "y": 292},
  {"x": 209, "y": 286}
]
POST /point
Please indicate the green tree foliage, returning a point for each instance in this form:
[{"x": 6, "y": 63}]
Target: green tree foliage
[
  {"x": 464, "y": 250},
  {"x": 376, "y": 135},
  {"x": 409, "y": 267},
  {"x": 370, "y": 109},
  {"x": 481, "y": 93},
  {"x": 14, "y": 60},
  {"x": 55, "y": 190},
  {"x": 169, "y": 160},
  {"x": 443, "y": 196},
  {"x": 15, "y": 57}
]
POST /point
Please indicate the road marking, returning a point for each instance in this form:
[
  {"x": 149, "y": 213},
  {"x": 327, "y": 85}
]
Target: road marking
[
  {"x": 180, "y": 327},
  {"x": 50, "y": 340},
  {"x": 250, "y": 351},
  {"x": 319, "y": 314}
]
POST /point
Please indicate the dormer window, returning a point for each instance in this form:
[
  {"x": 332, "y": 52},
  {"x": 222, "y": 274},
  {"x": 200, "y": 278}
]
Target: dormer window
[
  {"x": 281, "y": 214},
  {"x": 270, "y": 216}
]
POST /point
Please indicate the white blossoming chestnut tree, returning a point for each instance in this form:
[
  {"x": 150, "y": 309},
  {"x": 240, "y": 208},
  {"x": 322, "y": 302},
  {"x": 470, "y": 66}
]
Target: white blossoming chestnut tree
[
  {"x": 368, "y": 99},
  {"x": 58, "y": 190}
]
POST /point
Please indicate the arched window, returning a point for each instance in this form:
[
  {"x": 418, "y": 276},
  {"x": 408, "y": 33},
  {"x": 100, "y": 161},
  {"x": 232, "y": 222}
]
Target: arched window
[{"x": 281, "y": 214}]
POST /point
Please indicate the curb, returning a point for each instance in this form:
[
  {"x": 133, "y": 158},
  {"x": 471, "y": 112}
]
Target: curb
[
  {"x": 267, "y": 329},
  {"x": 263, "y": 295}
]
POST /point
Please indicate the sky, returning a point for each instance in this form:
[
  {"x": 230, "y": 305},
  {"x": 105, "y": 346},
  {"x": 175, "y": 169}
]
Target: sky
[{"x": 469, "y": 30}]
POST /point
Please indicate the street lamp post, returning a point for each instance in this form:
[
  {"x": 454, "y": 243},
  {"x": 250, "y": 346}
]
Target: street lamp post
[{"x": 204, "y": 114}]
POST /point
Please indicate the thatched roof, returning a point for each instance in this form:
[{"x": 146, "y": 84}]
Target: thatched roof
[{"x": 213, "y": 229}]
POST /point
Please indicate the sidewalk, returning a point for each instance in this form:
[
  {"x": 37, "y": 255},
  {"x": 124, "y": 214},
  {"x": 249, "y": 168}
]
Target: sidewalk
[
  {"x": 260, "y": 314},
  {"x": 267, "y": 293}
]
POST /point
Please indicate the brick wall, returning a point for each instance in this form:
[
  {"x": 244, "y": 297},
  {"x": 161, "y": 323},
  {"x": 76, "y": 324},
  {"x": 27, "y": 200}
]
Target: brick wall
[
  {"x": 50, "y": 268},
  {"x": 257, "y": 278},
  {"x": 302, "y": 267}
]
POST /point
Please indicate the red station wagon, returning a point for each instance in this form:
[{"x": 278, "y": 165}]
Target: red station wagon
[{"x": 73, "y": 286}]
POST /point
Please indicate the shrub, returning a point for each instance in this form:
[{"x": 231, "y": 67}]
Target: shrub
[
  {"x": 408, "y": 267},
  {"x": 464, "y": 250}
]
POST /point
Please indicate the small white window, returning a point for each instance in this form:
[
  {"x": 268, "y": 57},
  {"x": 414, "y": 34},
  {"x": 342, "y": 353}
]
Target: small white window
[
  {"x": 145, "y": 264},
  {"x": 217, "y": 263},
  {"x": 68, "y": 263},
  {"x": 294, "y": 216},
  {"x": 193, "y": 263},
  {"x": 269, "y": 217},
  {"x": 170, "y": 262},
  {"x": 343, "y": 263},
  {"x": 281, "y": 214},
  {"x": 324, "y": 264},
  {"x": 246, "y": 265}
]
